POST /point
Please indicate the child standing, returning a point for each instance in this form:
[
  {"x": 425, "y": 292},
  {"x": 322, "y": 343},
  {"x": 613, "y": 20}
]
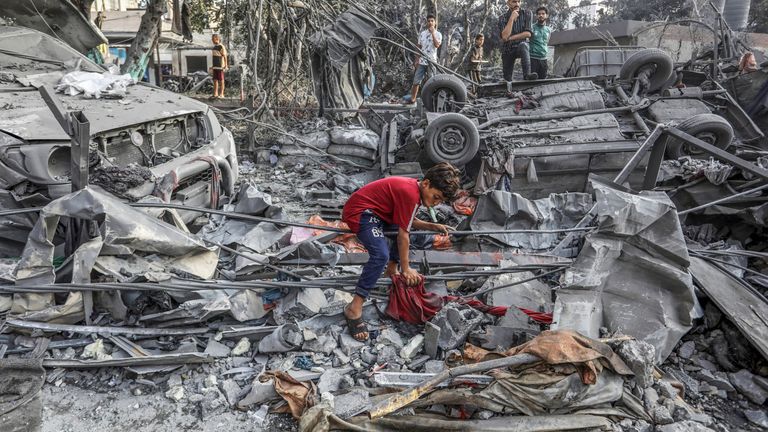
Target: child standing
[
  {"x": 476, "y": 59},
  {"x": 392, "y": 203},
  {"x": 220, "y": 64}
]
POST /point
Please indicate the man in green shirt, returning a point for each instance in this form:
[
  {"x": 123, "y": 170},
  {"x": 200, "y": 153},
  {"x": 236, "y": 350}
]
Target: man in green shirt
[{"x": 539, "y": 40}]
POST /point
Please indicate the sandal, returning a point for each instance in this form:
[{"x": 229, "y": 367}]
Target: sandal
[{"x": 356, "y": 326}]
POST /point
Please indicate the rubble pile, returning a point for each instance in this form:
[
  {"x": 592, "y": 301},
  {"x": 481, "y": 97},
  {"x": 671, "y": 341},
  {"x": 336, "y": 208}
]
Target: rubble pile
[{"x": 605, "y": 266}]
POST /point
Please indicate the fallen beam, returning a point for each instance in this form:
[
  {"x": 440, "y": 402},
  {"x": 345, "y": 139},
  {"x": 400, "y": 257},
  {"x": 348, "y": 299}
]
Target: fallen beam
[
  {"x": 154, "y": 360},
  {"x": 737, "y": 301},
  {"x": 405, "y": 397},
  {"x": 33, "y": 325}
]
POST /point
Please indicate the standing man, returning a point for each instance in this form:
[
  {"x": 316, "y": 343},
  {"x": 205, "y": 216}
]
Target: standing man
[
  {"x": 429, "y": 41},
  {"x": 220, "y": 64},
  {"x": 515, "y": 29},
  {"x": 539, "y": 42}
]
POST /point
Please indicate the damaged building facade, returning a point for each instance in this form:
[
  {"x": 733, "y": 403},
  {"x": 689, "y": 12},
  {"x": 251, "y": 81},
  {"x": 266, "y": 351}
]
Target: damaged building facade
[{"x": 606, "y": 272}]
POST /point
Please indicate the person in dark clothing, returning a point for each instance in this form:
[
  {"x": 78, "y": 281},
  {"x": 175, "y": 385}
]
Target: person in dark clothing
[
  {"x": 391, "y": 204},
  {"x": 220, "y": 64},
  {"x": 515, "y": 29},
  {"x": 476, "y": 59},
  {"x": 539, "y": 41}
]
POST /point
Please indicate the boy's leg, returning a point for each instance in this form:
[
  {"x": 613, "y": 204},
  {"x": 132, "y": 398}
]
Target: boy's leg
[
  {"x": 394, "y": 256},
  {"x": 418, "y": 77},
  {"x": 371, "y": 235},
  {"x": 221, "y": 86},
  {"x": 215, "y": 87}
]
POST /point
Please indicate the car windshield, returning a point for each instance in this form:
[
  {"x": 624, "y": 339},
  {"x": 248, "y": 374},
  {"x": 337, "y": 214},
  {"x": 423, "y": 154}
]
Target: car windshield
[{"x": 27, "y": 51}]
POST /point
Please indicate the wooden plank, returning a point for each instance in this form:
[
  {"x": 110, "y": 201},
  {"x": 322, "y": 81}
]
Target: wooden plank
[{"x": 745, "y": 309}]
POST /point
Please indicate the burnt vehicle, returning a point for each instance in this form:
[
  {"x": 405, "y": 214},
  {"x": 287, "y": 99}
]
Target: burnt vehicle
[
  {"x": 549, "y": 135},
  {"x": 150, "y": 141}
]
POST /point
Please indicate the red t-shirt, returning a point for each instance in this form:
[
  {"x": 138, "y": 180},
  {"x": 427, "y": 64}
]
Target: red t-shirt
[{"x": 394, "y": 199}]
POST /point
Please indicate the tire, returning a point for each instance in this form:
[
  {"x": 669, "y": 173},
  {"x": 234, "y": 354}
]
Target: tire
[
  {"x": 710, "y": 128},
  {"x": 449, "y": 86},
  {"x": 452, "y": 138},
  {"x": 638, "y": 60}
]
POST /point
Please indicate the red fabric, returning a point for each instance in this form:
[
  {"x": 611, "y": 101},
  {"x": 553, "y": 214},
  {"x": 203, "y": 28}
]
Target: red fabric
[
  {"x": 350, "y": 241},
  {"x": 218, "y": 75},
  {"x": 393, "y": 199},
  {"x": 412, "y": 304},
  {"x": 416, "y": 306},
  {"x": 464, "y": 204}
]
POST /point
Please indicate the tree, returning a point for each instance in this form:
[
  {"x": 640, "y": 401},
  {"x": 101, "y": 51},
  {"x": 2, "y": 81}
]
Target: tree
[
  {"x": 758, "y": 16},
  {"x": 148, "y": 35},
  {"x": 648, "y": 10}
]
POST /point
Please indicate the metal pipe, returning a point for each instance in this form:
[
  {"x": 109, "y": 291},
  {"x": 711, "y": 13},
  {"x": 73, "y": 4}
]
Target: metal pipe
[
  {"x": 722, "y": 200},
  {"x": 635, "y": 115}
]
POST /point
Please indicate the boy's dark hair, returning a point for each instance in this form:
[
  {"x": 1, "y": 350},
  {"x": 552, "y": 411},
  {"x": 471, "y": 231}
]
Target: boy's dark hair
[
  {"x": 546, "y": 11},
  {"x": 445, "y": 178},
  {"x": 431, "y": 16},
  {"x": 479, "y": 35}
]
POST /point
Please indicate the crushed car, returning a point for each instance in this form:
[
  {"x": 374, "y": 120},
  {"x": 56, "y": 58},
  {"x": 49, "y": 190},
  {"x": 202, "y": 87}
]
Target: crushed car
[
  {"x": 547, "y": 136},
  {"x": 147, "y": 141}
]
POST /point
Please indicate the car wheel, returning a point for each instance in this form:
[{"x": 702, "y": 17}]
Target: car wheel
[
  {"x": 660, "y": 61},
  {"x": 709, "y": 128},
  {"x": 443, "y": 93},
  {"x": 452, "y": 138}
]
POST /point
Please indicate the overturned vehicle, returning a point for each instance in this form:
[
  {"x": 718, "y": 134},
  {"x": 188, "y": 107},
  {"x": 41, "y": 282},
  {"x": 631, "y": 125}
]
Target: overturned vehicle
[
  {"x": 142, "y": 141},
  {"x": 549, "y": 135}
]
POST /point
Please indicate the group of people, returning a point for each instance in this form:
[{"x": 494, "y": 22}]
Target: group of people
[{"x": 520, "y": 39}]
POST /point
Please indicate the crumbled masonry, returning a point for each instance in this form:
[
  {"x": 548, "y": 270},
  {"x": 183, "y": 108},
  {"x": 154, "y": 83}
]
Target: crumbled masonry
[{"x": 176, "y": 263}]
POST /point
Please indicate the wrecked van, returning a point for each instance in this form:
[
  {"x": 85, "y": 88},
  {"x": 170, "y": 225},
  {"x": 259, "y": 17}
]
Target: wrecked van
[
  {"x": 549, "y": 135},
  {"x": 148, "y": 142}
]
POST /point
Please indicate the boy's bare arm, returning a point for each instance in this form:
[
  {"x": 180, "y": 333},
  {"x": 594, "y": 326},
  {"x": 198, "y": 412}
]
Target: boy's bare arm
[
  {"x": 403, "y": 249},
  {"x": 421, "y": 225}
]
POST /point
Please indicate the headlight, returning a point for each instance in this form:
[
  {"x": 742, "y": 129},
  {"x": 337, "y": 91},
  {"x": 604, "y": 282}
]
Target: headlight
[{"x": 59, "y": 163}]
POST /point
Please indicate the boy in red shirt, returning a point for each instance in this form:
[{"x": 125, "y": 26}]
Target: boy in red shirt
[{"x": 391, "y": 204}]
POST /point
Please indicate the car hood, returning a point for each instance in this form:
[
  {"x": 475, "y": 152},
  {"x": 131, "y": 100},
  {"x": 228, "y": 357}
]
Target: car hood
[
  {"x": 25, "y": 114},
  {"x": 56, "y": 18}
]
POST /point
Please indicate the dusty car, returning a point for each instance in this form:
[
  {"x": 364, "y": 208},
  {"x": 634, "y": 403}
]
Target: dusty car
[
  {"x": 149, "y": 141},
  {"x": 550, "y": 135}
]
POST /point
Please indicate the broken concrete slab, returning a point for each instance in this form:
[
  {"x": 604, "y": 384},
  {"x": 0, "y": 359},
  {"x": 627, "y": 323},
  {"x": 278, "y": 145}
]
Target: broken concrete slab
[
  {"x": 217, "y": 349},
  {"x": 284, "y": 338},
  {"x": 231, "y": 391},
  {"x": 331, "y": 379},
  {"x": 744, "y": 382},
  {"x": 260, "y": 393},
  {"x": 455, "y": 323},
  {"x": 299, "y": 304},
  {"x": 389, "y": 336},
  {"x": 348, "y": 344},
  {"x": 243, "y": 346},
  {"x": 413, "y": 347},
  {"x": 431, "y": 338},
  {"x": 757, "y": 417},
  {"x": 351, "y": 403}
]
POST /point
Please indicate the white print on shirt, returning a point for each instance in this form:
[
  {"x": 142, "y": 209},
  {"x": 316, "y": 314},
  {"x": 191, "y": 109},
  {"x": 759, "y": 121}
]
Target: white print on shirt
[
  {"x": 377, "y": 232},
  {"x": 428, "y": 49},
  {"x": 413, "y": 215},
  {"x": 374, "y": 219}
]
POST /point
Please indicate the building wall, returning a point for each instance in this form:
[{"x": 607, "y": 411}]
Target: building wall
[{"x": 565, "y": 53}]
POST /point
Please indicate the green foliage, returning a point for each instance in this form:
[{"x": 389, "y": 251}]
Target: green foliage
[
  {"x": 758, "y": 16},
  {"x": 648, "y": 10}
]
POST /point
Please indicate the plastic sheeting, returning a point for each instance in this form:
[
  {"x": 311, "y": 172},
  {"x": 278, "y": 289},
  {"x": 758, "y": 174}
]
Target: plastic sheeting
[
  {"x": 631, "y": 275},
  {"x": 95, "y": 85},
  {"x": 501, "y": 210}
]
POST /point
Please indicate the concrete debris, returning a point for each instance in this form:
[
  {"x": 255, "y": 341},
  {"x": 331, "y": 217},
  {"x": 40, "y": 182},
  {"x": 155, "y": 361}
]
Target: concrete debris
[
  {"x": 413, "y": 347},
  {"x": 745, "y": 382},
  {"x": 455, "y": 323},
  {"x": 217, "y": 349},
  {"x": 96, "y": 351},
  {"x": 218, "y": 263},
  {"x": 176, "y": 393},
  {"x": 351, "y": 403},
  {"x": 757, "y": 417},
  {"x": 243, "y": 347}
]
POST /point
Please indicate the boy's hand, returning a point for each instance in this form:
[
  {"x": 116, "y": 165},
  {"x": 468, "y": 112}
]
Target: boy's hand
[
  {"x": 445, "y": 229},
  {"x": 411, "y": 276},
  {"x": 513, "y": 16}
]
